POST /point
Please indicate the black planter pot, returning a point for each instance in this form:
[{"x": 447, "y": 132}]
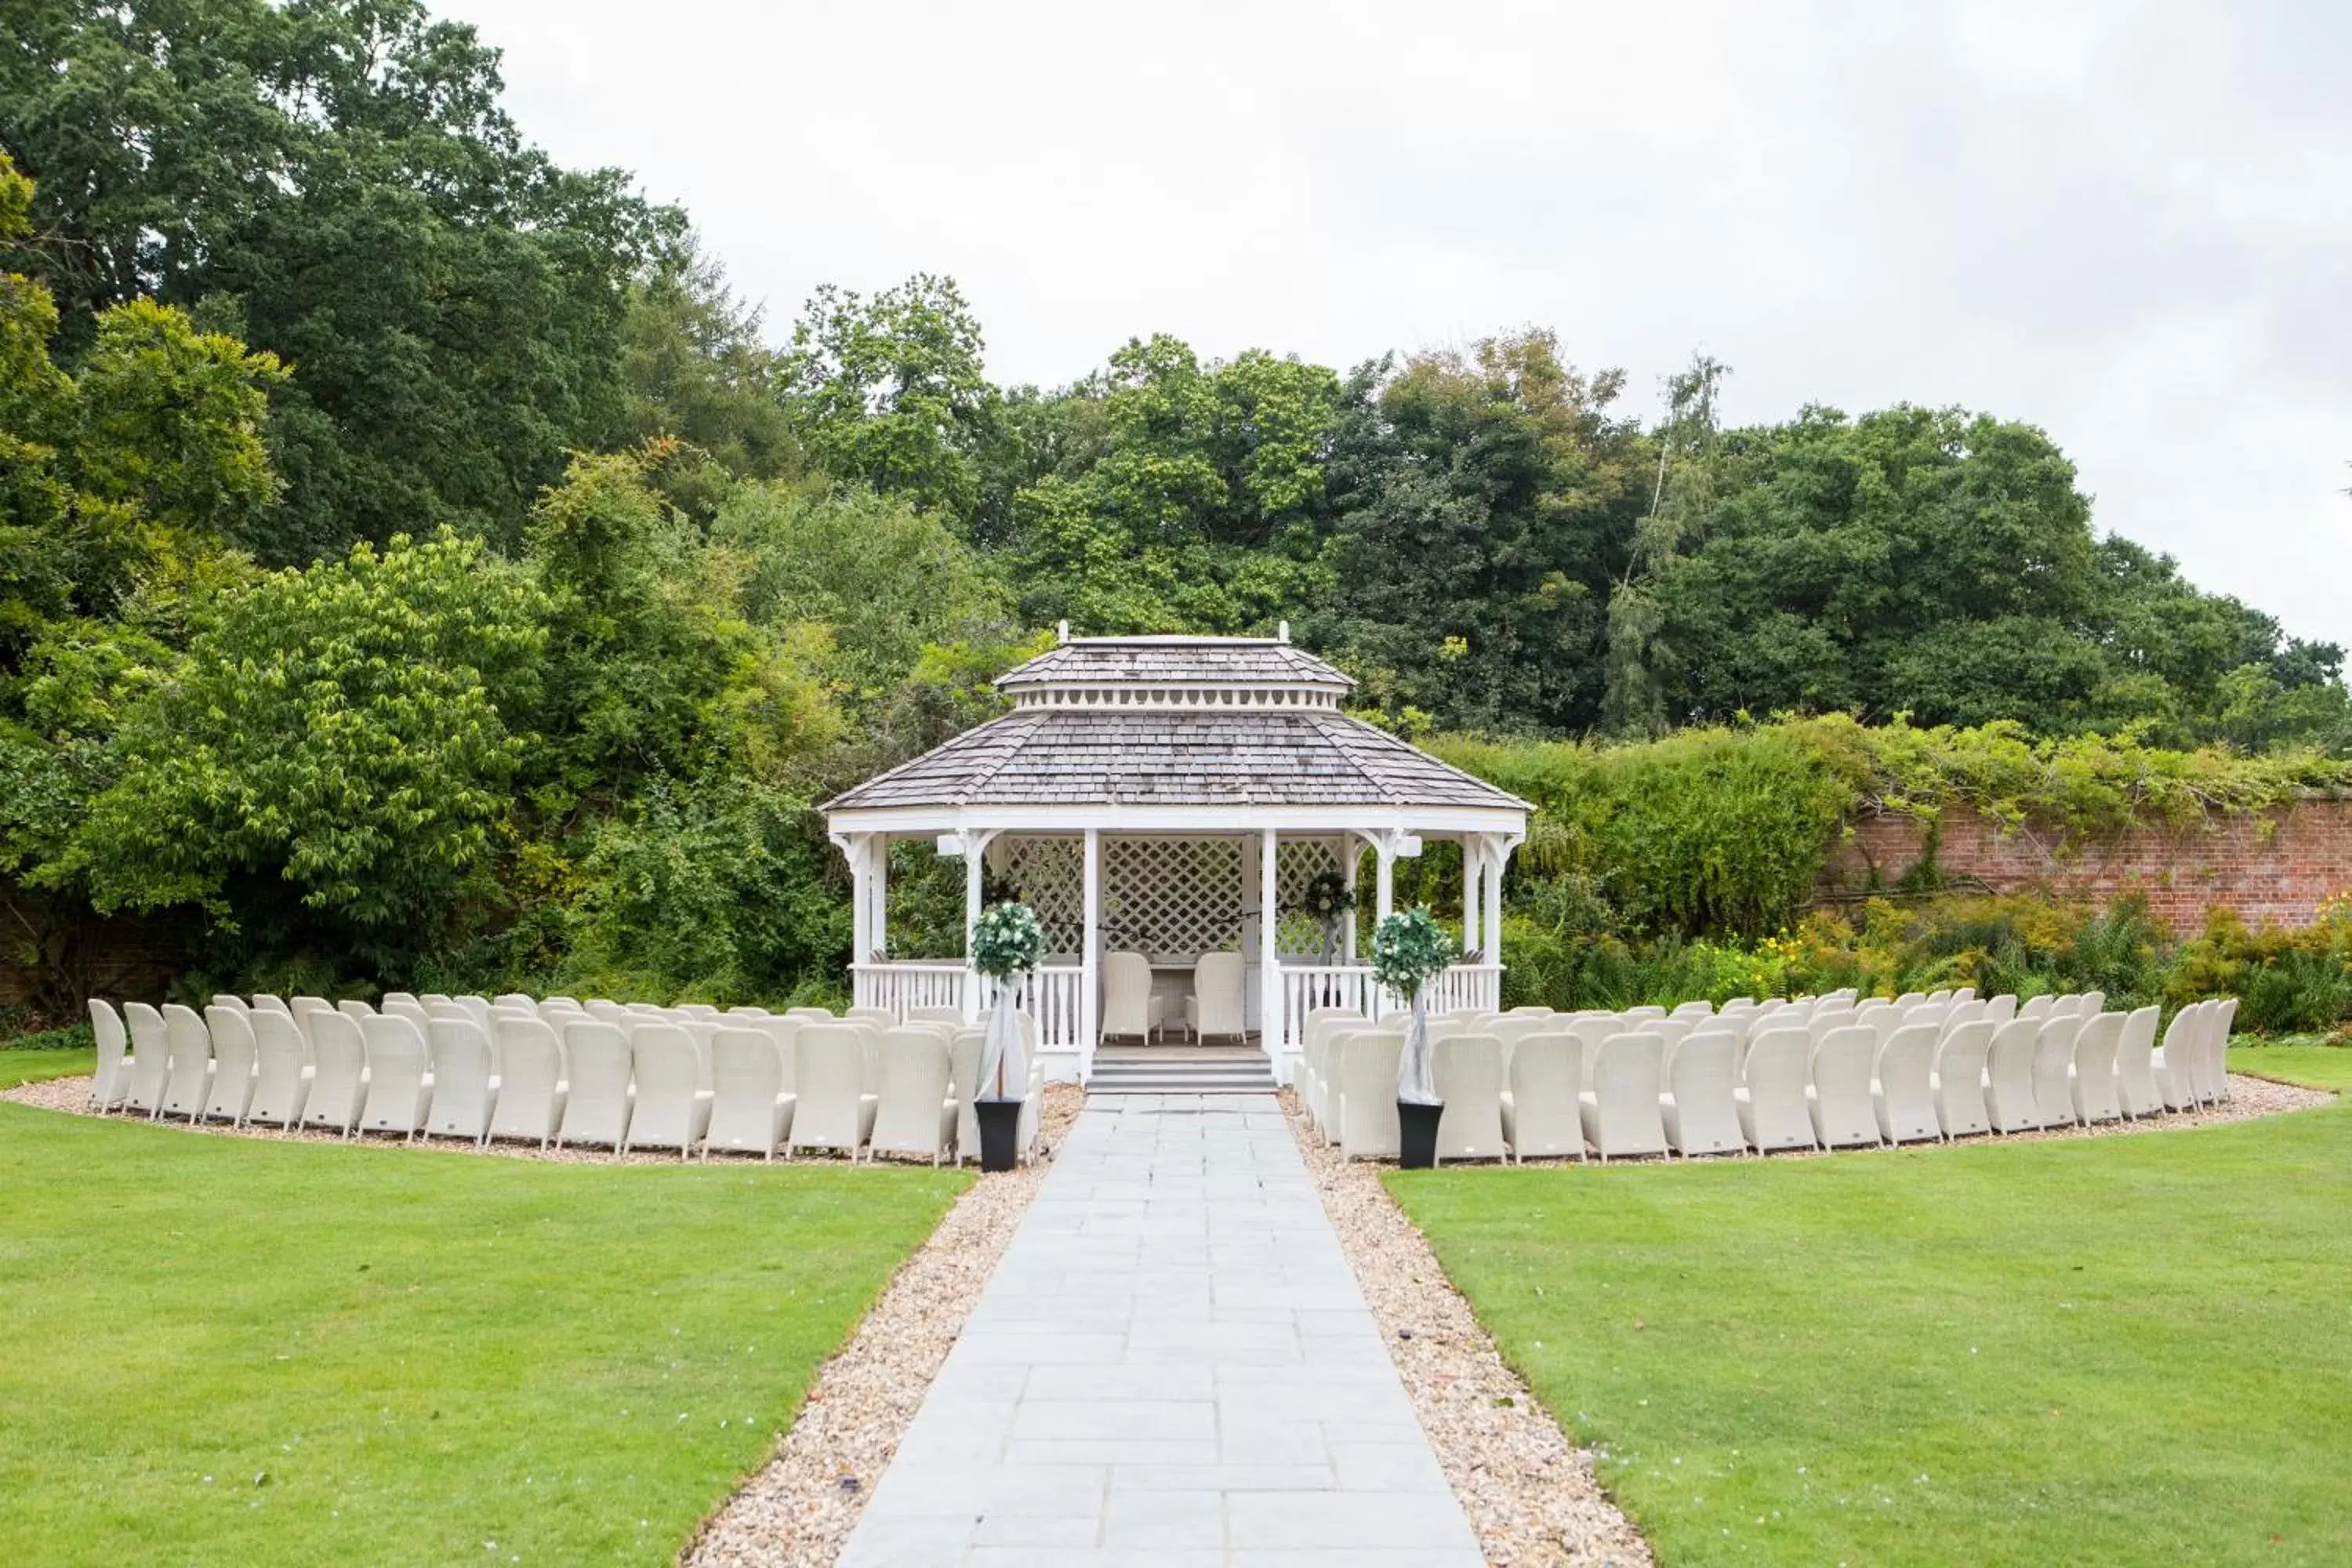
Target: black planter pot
[
  {"x": 1000, "y": 1132},
  {"x": 1417, "y": 1135}
]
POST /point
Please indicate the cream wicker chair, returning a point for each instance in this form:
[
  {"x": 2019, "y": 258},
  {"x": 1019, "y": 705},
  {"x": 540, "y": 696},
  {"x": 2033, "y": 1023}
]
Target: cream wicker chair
[
  {"x": 1214, "y": 1008},
  {"x": 2094, "y": 1089},
  {"x": 1543, "y": 1114},
  {"x": 339, "y": 1083},
  {"x": 1701, "y": 1108},
  {"x": 357, "y": 1011},
  {"x": 963, "y": 1078},
  {"x": 1959, "y": 1079},
  {"x": 1622, "y": 1113},
  {"x": 2214, "y": 1084},
  {"x": 596, "y": 1096},
  {"x": 2054, "y": 1069},
  {"x": 833, "y": 1111},
  {"x": 464, "y": 1085},
  {"x": 2002, "y": 1008},
  {"x": 915, "y": 1110},
  {"x": 1903, "y": 1088},
  {"x": 880, "y": 1018},
  {"x": 1468, "y": 1070},
  {"x": 188, "y": 1081},
  {"x": 669, "y": 1109},
  {"x": 2037, "y": 1007},
  {"x": 281, "y": 1070},
  {"x": 112, "y": 1079},
  {"x": 750, "y": 1106},
  {"x": 1368, "y": 1113},
  {"x": 1590, "y": 1032},
  {"x": 2136, "y": 1091},
  {"x": 231, "y": 1094},
  {"x": 951, "y": 1018},
  {"x": 532, "y": 1081},
  {"x": 399, "y": 1089},
  {"x": 1839, "y": 1096},
  {"x": 2009, "y": 1098},
  {"x": 2174, "y": 1063},
  {"x": 263, "y": 1001},
  {"x": 1127, "y": 996}
]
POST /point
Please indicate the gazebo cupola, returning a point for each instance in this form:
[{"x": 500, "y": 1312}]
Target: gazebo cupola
[{"x": 1174, "y": 796}]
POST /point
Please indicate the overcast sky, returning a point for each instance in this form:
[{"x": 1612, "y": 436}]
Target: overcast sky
[{"x": 2126, "y": 223}]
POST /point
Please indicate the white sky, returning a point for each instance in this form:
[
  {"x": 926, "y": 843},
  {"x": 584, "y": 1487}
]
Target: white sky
[{"x": 2127, "y": 223}]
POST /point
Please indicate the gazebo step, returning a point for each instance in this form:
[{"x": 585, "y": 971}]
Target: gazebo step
[{"x": 1172, "y": 1072}]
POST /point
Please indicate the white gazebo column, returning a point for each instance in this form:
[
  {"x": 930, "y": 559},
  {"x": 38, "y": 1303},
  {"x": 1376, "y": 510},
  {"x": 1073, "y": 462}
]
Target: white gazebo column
[
  {"x": 1498, "y": 853},
  {"x": 1473, "y": 865},
  {"x": 1090, "y": 957},
  {"x": 878, "y": 882},
  {"x": 1269, "y": 956},
  {"x": 1354, "y": 875},
  {"x": 973, "y": 844},
  {"x": 856, "y": 850},
  {"x": 1383, "y": 878}
]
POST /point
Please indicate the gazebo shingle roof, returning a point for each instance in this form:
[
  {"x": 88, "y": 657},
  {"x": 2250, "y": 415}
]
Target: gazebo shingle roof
[{"x": 1090, "y": 757}]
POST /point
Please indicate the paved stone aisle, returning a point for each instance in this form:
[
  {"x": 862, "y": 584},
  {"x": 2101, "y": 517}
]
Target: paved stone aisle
[{"x": 1172, "y": 1368}]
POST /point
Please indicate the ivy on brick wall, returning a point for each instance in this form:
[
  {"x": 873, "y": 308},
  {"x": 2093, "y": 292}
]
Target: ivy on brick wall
[{"x": 1725, "y": 829}]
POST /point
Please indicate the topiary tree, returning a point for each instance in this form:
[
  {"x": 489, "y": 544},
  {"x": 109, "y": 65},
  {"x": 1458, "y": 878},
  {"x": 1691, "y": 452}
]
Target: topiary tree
[{"x": 1408, "y": 949}]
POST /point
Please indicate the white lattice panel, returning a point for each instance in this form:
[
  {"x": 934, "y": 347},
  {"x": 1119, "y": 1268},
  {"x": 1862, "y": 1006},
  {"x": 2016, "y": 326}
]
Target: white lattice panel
[
  {"x": 1049, "y": 874},
  {"x": 1172, "y": 898},
  {"x": 1167, "y": 897}
]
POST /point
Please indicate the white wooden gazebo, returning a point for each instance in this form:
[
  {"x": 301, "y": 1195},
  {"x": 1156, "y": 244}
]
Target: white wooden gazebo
[{"x": 1126, "y": 795}]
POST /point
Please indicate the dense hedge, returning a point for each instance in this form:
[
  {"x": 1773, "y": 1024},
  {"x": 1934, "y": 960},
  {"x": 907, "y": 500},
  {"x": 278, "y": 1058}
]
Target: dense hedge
[{"x": 1562, "y": 955}]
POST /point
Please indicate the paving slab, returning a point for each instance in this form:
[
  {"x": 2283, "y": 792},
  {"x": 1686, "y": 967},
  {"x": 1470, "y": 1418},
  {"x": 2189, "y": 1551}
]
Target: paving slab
[{"x": 1171, "y": 1365}]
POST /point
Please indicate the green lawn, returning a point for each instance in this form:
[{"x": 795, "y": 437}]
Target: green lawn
[
  {"x": 250, "y": 1352},
  {"x": 2122, "y": 1351},
  {"x": 29, "y": 1066}
]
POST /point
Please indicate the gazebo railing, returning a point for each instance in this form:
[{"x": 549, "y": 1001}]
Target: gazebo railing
[
  {"x": 1050, "y": 995},
  {"x": 904, "y": 984},
  {"x": 1306, "y": 986}
]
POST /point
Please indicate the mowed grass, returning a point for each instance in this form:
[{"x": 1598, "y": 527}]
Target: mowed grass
[
  {"x": 223, "y": 1350},
  {"x": 2128, "y": 1351},
  {"x": 32, "y": 1067}
]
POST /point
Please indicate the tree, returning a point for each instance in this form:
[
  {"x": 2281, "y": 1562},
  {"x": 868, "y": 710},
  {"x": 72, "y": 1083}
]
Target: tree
[
  {"x": 135, "y": 473},
  {"x": 1485, "y": 501},
  {"x": 695, "y": 368},
  {"x": 335, "y": 183},
  {"x": 890, "y": 392},
  {"x": 337, "y": 748}
]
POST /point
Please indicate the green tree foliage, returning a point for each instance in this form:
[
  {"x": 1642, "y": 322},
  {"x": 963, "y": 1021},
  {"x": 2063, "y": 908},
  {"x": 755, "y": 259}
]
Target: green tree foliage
[
  {"x": 695, "y": 369},
  {"x": 346, "y": 730},
  {"x": 1187, "y": 499},
  {"x": 121, "y": 486},
  {"x": 1725, "y": 829},
  {"x": 889, "y": 391},
  {"x": 337, "y": 183}
]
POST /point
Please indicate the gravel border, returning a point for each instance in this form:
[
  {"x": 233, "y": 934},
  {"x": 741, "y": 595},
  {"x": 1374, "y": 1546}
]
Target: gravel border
[
  {"x": 1529, "y": 1490},
  {"x": 798, "y": 1510}
]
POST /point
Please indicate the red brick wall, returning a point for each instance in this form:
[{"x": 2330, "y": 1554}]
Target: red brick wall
[{"x": 2276, "y": 869}]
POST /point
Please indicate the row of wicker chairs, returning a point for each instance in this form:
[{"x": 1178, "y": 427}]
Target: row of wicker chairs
[
  {"x": 1832, "y": 1072},
  {"x": 556, "y": 1072}
]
